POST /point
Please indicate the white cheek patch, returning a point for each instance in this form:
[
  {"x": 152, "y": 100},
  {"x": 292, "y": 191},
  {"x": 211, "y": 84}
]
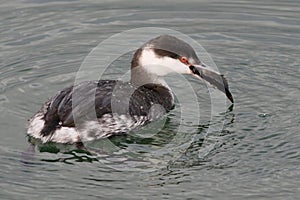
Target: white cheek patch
[{"x": 161, "y": 66}]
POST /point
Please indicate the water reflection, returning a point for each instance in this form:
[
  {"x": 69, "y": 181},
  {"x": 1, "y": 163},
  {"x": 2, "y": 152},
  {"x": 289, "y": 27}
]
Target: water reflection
[
  {"x": 135, "y": 153},
  {"x": 256, "y": 154}
]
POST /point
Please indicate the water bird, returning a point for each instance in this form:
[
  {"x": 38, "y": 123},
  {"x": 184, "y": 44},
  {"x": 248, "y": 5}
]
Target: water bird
[{"x": 66, "y": 119}]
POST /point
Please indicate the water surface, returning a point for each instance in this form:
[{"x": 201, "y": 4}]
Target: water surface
[{"x": 256, "y": 155}]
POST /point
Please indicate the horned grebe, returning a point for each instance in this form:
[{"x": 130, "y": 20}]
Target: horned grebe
[{"x": 160, "y": 56}]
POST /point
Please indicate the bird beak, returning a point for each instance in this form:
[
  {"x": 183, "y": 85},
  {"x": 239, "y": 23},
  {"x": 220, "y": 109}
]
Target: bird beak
[{"x": 214, "y": 78}]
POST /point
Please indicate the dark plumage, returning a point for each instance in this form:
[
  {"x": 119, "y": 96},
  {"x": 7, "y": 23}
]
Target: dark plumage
[
  {"x": 97, "y": 109},
  {"x": 96, "y": 97}
]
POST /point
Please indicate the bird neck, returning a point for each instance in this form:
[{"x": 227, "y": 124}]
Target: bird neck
[{"x": 140, "y": 76}]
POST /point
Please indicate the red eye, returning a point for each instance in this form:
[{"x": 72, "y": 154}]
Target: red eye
[{"x": 184, "y": 60}]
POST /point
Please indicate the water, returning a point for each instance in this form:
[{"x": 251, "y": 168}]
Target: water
[{"x": 255, "y": 156}]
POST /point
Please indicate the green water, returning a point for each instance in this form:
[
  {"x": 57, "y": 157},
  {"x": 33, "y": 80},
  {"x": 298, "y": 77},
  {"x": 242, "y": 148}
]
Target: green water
[{"x": 255, "y": 156}]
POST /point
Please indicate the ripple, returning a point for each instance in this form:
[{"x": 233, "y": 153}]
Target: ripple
[
  {"x": 264, "y": 115},
  {"x": 3, "y": 99},
  {"x": 256, "y": 155},
  {"x": 35, "y": 85},
  {"x": 27, "y": 40}
]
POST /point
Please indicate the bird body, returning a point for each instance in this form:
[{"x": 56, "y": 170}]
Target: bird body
[{"x": 100, "y": 109}]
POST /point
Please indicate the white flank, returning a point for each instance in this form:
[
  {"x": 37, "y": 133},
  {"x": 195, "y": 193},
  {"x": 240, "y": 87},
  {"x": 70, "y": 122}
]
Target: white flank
[
  {"x": 91, "y": 130},
  {"x": 61, "y": 135}
]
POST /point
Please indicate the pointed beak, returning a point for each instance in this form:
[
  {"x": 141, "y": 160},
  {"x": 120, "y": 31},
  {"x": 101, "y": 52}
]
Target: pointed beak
[{"x": 214, "y": 78}]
